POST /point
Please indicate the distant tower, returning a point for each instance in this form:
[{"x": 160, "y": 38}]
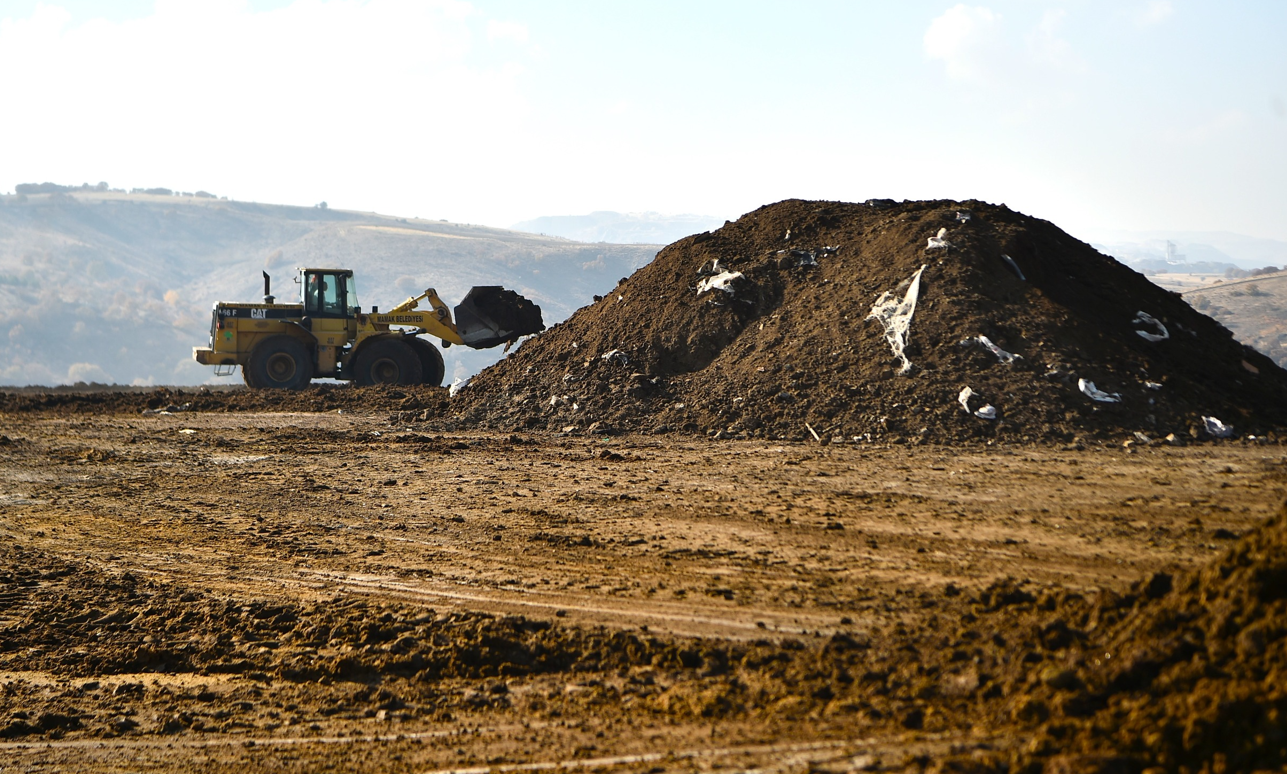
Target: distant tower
[{"x": 1172, "y": 256}]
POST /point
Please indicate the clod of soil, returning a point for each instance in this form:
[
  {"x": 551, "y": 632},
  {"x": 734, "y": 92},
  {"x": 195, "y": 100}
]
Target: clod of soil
[{"x": 762, "y": 329}]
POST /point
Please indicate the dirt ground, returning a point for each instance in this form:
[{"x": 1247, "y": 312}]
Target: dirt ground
[{"x": 339, "y": 591}]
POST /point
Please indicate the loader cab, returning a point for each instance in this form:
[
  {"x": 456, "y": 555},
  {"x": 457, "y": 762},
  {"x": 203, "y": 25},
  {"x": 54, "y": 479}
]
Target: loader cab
[{"x": 328, "y": 294}]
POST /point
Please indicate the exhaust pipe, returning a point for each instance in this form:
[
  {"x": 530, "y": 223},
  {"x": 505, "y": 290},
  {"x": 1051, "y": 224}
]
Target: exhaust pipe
[{"x": 268, "y": 298}]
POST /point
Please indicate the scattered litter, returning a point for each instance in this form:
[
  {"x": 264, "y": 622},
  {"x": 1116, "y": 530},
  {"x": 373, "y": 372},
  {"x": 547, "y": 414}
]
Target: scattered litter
[
  {"x": 1142, "y": 438},
  {"x": 983, "y": 341},
  {"x": 1217, "y": 429},
  {"x": 938, "y": 242},
  {"x": 1152, "y": 385},
  {"x": 896, "y": 316},
  {"x": 168, "y": 410},
  {"x": 616, "y": 356},
  {"x": 987, "y": 411},
  {"x": 797, "y": 258},
  {"x": 813, "y": 432},
  {"x": 1014, "y": 266},
  {"x": 1090, "y": 391},
  {"x": 190, "y": 431},
  {"x": 1147, "y": 319},
  {"x": 722, "y": 281},
  {"x": 1250, "y": 368},
  {"x": 963, "y": 215},
  {"x": 710, "y": 268},
  {"x": 456, "y": 386}
]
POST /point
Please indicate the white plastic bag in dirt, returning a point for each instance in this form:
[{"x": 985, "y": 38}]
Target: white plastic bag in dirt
[
  {"x": 616, "y": 356},
  {"x": 1005, "y": 357},
  {"x": 1217, "y": 429},
  {"x": 896, "y": 315},
  {"x": 1090, "y": 391},
  {"x": 456, "y": 387},
  {"x": 1147, "y": 319},
  {"x": 988, "y": 411},
  {"x": 1014, "y": 266},
  {"x": 722, "y": 281},
  {"x": 938, "y": 242}
]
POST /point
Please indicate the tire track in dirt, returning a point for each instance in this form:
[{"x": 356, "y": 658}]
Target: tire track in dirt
[{"x": 707, "y": 625}]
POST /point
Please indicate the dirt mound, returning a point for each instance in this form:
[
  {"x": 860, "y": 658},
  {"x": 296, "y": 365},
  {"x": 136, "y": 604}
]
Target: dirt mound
[
  {"x": 762, "y": 328},
  {"x": 425, "y": 402},
  {"x": 1190, "y": 678}
]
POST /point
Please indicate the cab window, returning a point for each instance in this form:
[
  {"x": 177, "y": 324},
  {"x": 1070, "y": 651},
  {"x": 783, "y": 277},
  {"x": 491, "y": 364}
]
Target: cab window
[{"x": 324, "y": 295}]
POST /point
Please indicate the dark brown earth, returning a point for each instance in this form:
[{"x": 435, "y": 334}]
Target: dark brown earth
[
  {"x": 853, "y": 575},
  {"x": 224, "y": 589},
  {"x": 790, "y": 353}
]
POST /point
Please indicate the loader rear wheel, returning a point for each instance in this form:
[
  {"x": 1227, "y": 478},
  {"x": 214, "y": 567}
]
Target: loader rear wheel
[
  {"x": 432, "y": 369},
  {"x": 280, "y": 363},
  {"x": 387, "y": 361}
]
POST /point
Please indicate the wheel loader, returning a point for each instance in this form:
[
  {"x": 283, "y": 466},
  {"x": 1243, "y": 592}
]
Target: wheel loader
[{"x": 327, "y": 335}]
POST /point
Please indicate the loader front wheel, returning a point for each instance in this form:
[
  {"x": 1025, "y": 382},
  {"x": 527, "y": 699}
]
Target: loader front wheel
[
  {"x": 432, "y": 369},
  {"x": 281, "y": 363},
  {"x": 387, "y": 361}
]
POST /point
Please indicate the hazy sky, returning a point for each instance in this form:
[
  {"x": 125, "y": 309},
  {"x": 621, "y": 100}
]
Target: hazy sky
[{"x": 1097, "y": 115}]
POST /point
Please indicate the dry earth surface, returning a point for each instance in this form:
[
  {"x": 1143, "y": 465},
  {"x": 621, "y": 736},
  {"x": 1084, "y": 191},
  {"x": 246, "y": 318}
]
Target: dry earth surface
[{"x": 340, "y": 590}]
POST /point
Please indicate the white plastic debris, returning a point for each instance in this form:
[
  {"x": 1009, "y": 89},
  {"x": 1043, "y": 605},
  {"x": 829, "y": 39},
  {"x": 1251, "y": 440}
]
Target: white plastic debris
[
  {"x": 988, "y": 411},
  {"x": 616, "y": 356},
  {"x": 456, "y": 386},
  {"x": 1217, "y": 429},
  {"x": 722, "y": 281},
  {"x": 1152, "y": 385},
  {"x": 1014, "y": 266},
  {"x": 1003, "y": 356},
  {"x": 1145, "y": 318},
  {"x": 1090, "y": 391},
  {"x": 938, "y": 242},
  {"x": 1142, "y": 438},
  {"x": 896, "y": 315}
]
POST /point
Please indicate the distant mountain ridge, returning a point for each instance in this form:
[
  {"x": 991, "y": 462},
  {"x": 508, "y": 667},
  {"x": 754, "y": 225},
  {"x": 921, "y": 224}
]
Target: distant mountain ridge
[
  {"x": 621, "y": 228},
  {"x": 1198, "y": 251},
  {"x": 115, "y": 287}
]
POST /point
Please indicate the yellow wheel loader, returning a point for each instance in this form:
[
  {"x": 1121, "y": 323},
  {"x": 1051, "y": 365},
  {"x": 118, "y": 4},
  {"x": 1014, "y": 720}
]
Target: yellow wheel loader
[{"x": 326, "y": 334}]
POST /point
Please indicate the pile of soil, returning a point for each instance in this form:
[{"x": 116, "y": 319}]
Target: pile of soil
[
  {"x": 784, "y": 344},
  {"x": 1193, "y": 677}
]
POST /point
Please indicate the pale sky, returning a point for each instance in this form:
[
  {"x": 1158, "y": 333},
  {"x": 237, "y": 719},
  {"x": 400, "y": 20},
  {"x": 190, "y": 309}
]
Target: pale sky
[{"x": 1096, "y": 115}]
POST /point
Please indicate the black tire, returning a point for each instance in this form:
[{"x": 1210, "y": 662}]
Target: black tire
[
  {"x": 279, "y": 363},
  {"x": 432, "y": 369},
  {"x": 387, "y": 361}
]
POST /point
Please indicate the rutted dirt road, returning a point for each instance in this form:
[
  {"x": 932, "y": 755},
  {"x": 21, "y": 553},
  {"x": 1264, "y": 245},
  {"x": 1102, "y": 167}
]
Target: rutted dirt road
[{"x": 302, "y": 591}]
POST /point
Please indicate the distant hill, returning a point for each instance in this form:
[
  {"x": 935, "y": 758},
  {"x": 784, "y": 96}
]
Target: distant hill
[
  {"x": 117, "y": 287},
  {"x": 1254, "y": 309},
  {"x": 1197, "y": 252},
  {"x": 623, "y": 228}
]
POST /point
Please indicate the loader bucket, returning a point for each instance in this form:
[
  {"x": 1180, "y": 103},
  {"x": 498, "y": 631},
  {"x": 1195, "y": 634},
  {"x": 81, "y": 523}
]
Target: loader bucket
[{"x": 491, "y": 315}]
